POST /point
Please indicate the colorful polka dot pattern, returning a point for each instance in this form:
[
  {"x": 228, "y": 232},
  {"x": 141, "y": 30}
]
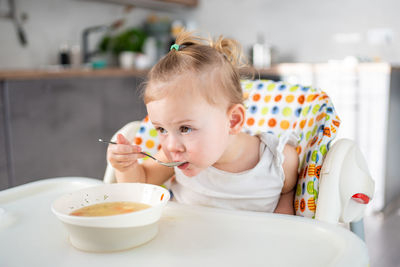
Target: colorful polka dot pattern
[
  {"x": 276, "y": 107},
  {"x": 146, "y": 137}
]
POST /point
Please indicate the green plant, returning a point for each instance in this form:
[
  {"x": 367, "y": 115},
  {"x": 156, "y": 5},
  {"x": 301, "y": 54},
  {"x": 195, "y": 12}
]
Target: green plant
[{"x": 129, "y": 40}]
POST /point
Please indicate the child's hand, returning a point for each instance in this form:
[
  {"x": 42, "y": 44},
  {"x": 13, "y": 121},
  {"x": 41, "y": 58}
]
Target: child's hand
[{"x": 123, "y": 155}]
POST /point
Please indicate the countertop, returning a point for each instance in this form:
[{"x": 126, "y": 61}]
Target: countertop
[
  {"x": 58, "y": 72},
  {"x": 68, "y": 73},
  {"x": 279, "y": 69}
]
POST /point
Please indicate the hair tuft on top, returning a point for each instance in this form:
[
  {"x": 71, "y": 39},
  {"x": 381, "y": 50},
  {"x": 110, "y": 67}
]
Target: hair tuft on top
[{"x": 221, "y": 61}]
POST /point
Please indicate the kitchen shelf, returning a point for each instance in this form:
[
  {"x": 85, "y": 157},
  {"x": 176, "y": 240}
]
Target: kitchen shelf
[
  {"x": 68, "y": 73},
  {"x": 155, "y": 4}
]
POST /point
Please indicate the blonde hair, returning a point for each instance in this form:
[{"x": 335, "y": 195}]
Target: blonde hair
[{"x": 221, "y": 60}]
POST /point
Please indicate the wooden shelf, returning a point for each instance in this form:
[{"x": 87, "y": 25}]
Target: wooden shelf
[
  {"x": 68, "y": 73},
  {"x": 155, "y": 4}
]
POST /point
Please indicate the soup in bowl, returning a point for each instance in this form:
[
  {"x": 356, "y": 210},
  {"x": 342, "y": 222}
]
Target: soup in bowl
[{"x": 111, "y": 217}]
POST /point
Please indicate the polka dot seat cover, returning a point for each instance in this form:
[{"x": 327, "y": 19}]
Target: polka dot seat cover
[{"x": 277, "y": 107}]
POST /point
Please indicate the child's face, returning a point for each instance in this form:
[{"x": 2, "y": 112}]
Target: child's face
[{"x": 190, "y": 130}]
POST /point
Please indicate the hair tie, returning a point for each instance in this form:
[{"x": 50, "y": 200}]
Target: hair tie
[{"x": 174, "y": 46}]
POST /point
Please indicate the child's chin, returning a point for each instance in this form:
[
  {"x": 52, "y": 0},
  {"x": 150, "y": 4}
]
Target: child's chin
[{"x": 191, "y": 172}]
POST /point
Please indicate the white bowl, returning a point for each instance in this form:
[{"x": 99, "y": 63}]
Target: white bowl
[{"x": 117, "y": 232}]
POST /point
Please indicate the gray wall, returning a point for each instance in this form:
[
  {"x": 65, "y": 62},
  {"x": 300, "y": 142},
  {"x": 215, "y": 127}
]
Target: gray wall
[{"x": 301, "y": 31}]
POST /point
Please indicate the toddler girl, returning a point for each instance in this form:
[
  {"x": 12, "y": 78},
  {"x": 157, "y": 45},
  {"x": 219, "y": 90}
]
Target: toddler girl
[{"x": 194, "y": 100}]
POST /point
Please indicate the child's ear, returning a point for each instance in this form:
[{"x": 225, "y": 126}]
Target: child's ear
[{"x": 236, "y": 115}]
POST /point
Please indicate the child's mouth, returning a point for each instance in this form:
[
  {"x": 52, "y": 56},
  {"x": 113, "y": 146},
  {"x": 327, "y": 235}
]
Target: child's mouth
[{"x": 183, "y": 166}]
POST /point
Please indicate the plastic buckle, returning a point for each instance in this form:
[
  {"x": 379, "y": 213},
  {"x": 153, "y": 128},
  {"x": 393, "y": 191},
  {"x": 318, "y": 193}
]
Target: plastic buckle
[{"x": 361, "y": 198}]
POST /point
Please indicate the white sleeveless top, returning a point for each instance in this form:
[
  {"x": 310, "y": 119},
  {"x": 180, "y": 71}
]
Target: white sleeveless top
[{"x": 257, "y": 189}]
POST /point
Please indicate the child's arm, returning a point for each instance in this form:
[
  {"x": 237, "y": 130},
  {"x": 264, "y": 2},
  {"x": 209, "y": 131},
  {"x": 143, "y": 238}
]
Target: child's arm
[
  {"x": 123, "y": 157},
  {"x": 290, "y": 165}
]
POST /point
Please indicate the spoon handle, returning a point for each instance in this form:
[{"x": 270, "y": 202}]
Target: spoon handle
[
  {"x": 107, "y": 142},
  {"x": 141, "y": 152}
]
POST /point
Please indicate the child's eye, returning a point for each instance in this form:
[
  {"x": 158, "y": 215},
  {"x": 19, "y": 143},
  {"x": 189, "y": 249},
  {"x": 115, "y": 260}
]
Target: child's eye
[
  {"x": 161, "y": 130},
  {"x": 185, "y": 129}
]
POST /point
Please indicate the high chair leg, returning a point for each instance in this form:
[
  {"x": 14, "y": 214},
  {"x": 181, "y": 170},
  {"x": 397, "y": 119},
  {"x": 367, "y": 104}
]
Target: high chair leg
[{"x": 358, "y": 228}]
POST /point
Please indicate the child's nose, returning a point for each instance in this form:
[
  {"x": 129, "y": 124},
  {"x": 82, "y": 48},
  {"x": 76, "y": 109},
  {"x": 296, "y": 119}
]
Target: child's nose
[{"x": 174, "y": 144}]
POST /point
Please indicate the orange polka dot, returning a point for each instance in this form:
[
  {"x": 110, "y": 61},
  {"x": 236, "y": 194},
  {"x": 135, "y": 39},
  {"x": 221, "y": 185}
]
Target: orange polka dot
[
  {"x": 256, "y": 97},
  {"x": 285, "y": 124},
  {"x": 311, "y": 122},
  {"x": 321, "y": 116},
  {"x": 146, "y": 119},
  {"x": 250, "y": 121},
  {"x": 303, "y": 123},
  {"x": 261, "y": 122},
  {"x": 310, "y": 98},
  {"x": 298, "y": 150},
  {"x": 278, "y": 98},
  {"x": 271, "y": 122},
  {"x": 311, "y": 204},
  {"x": 138, "y": 140},
  {"x": 159, "y": 147},
  {"x": 289, "y": 98},
  {"x": 294, "y": 124},
  {"x": 300, "y": 99},
  {"x": 150, "y": 143},
  {"x": 267, "y": 98},
  {"x": 296, "y": 204},
  {"x": 245, "y": 95},
  {"x": 302, "y": 205}
]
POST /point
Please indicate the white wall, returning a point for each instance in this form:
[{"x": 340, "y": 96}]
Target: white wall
[
  {"x": 52, "y": 23},
  {"x": 304, "y": 30},
  {"x": 301, "y": 31}
]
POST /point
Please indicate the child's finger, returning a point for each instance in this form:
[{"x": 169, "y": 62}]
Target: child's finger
[
  {"x": 121, "y": 139},
  {"x": 124, "y": 149},
  {"x": 125, "y": 157}
]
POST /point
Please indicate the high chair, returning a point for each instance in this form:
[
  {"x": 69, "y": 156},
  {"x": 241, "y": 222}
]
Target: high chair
[{"x": 334, "y": 183}]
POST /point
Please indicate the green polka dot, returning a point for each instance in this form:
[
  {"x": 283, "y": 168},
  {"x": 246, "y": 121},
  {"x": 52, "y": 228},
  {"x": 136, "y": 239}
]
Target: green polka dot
[
  {"x": 153, "y": 132},
  {"x": 323, "y": 150},
  {"x": 308, "y": 135},
  {"x": 327, "y": 117},
  {"x": 264, "y": 111},
  {"x": 310, "y": 187},
  {"x": 305, "y": 111},
  {"x": 314, "y": 156},
  {"x": 271, "y": 86},
  {"x": 294, "y": 88},
  {"x": 287, "y": 111},
  {"x": 301, "y": 136},
  {"x": 316, "y": 194},
  {"x": 314, "y": 131},
  {"x": 315, "y": 109},
  {"x": 298, "y": 190},
  {"x": 249, "y": 86}
]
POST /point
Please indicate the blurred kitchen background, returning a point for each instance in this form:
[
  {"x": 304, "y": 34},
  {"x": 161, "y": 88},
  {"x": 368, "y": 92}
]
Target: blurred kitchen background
[{"x": 70, "y": 73}]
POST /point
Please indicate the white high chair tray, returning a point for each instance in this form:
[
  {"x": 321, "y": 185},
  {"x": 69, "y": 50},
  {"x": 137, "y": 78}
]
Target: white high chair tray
[{"x": 30, "y": 235}]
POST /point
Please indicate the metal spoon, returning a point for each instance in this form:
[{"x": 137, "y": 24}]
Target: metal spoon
[{"x": 168, "y": 164}]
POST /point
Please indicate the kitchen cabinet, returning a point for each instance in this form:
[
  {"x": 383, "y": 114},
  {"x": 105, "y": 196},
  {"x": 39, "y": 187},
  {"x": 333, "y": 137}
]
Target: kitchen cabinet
[
  {"x": 392, "y": 182},
  {"x": 54, "y": 124},
  {"x": 4, "y": 183}
]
